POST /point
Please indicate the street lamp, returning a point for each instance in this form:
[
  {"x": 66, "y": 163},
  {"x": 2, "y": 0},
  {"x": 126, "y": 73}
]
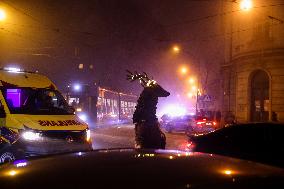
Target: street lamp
[
  {"x": 2, "y": 15},
  {"x": 176, "y": 49},
  {"x": 183, "y": 70},
  {"x": 191, "y": 80},
  {"x": 195, "y": 91},
  {"x": 77, "y": 87},
  {"x": 190, "y": 95},
  {"x": 246, "y": 5}
]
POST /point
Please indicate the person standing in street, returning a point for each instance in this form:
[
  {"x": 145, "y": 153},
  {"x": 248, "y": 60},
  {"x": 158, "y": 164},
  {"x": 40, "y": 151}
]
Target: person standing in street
[{"x": 218, "y": 117}]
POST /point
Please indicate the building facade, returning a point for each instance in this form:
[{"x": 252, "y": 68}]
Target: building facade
[{"x": 253, "y": 72}]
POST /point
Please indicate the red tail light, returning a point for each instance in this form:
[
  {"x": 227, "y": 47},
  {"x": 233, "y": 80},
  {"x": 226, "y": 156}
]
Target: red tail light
[
  {"x": 189, "y": 146},
  {"x": 214, "y": 123},
  {"x": 200, "y": 122},
  {"x": 186, "y": 145}
]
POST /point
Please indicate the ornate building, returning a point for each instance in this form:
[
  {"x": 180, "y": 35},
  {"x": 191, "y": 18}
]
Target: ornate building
[{"x": 253, "y": 75}]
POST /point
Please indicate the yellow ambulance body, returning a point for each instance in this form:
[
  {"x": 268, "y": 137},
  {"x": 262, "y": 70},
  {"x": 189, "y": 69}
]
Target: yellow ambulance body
[{"x": 32, "y": 107}]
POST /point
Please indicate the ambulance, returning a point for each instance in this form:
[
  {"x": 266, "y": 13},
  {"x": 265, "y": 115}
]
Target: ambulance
[{"x": 35, "y": 118}]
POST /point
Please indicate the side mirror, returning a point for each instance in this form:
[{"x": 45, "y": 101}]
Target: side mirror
[{"x": 2, "y": 112}]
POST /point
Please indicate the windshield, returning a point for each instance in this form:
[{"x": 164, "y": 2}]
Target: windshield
[
  {"x": 35, "y": 101},
  {"x": 141, "y": 74}
]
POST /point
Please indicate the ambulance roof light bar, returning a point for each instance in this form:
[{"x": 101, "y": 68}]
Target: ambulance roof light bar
[
  {"x": 13, "y": 69},
  {"x": 16, "y": 70}
]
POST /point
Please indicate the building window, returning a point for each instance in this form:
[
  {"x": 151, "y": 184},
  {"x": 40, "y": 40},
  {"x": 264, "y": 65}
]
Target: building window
[
  {"x": 81, "y": 66},
  {"x": 262, "y": 31},
  {"x": 260, "y": 96}
]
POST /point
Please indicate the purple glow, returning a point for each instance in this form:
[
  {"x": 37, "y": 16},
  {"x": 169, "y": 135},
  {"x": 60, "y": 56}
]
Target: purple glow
[
  {"x": 20, "y": 163},
  {"x": 14, "y": 96}
]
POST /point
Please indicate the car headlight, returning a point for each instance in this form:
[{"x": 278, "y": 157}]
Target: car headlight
[
  {"x": 30, "y": 135},
  {"x": 88, "y": 135},
  {"x": 83, "y": 117}
]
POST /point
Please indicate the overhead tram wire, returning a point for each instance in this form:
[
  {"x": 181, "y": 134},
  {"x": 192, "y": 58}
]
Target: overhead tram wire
[
  {"x": 19, "y": 35},
  {"x": 46, "y": 26},
  {"x": 218, "y": 14},
  {"x": 19, "y": 10},
  {"x": 221, "y": 14},
  {"x": 170, "y": 25},
  {"x": 30, "y": 40},
  {"x": 55, "y": 30},
  {"x": 207, "y": 38},
  {"x": 51, "y": 30},
  {"x": 59, "y": 30}
]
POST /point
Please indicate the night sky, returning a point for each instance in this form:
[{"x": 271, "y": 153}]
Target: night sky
[{"x": 55, "y": 36}]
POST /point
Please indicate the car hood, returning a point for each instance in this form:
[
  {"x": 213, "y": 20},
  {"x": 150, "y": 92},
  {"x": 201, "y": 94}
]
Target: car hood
[{"x": 128, "y": 168}]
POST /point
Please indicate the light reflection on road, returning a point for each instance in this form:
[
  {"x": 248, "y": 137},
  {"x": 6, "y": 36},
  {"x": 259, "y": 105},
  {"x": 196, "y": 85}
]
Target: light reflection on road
[{"x": 122, "y": 136}]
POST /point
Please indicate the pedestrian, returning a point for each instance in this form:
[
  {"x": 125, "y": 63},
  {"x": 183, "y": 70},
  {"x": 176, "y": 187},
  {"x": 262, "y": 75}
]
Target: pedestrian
[
  {"x": 210, "y": 115},
  {"x": 218, "y": 116},
  {"x": 202, "y": 113},
  {"x": 148, "y": 134},
  {"x": 230, "y": 118},
  {"x": 274, "y": 117},
  {"x": 73, "y": 104}
]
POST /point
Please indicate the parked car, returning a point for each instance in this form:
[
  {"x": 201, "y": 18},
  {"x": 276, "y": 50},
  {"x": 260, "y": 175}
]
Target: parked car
[
  {"x": 203, "y": 125},
  {"x": 261, "y": 142},
  {"x": 187, "y": 123},
  {"x": 177, "y": 123}
]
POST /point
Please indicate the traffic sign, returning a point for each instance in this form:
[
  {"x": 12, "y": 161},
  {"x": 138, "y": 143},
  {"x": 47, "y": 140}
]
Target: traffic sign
[{"x": 207, "y": 98}]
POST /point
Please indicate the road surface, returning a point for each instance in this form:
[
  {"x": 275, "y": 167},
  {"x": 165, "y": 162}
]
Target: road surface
[{"x": 122, "y": 136}]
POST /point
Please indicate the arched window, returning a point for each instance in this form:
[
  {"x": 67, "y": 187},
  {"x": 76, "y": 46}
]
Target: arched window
[{"x": 260, "y": 96}]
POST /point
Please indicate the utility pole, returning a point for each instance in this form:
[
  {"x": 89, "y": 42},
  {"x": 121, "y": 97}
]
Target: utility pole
[
  {"x": 119, "y": 106},
  {"x": 230, "y": 59},
  {"x": 197, "y": 90}
]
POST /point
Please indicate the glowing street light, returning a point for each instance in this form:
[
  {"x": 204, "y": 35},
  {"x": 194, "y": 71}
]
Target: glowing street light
[
  {"x": 199, "y": 92},
  {"x": 176, "y": 49},
  {"x": 194, "y": 88},
  {"x": 183, "y": 70},
  {"x": 246, "y": 5},
  {"x": 2, "y": 15},
  {"x": 191, "y": 80},
  {"x": 189, "y": 95},
  {"x": 77, "y": 87},
  {"x": 12, "y": 173}
]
